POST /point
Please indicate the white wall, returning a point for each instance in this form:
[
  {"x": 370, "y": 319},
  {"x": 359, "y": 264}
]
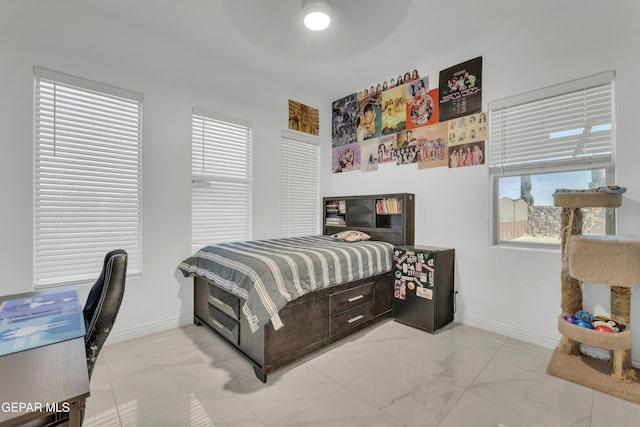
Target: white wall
[
  {"x": 85, "y": 41},
  {"x": 524, "y": 47}
]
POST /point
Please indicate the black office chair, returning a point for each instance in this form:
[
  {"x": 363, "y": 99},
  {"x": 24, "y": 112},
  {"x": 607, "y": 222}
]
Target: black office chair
[{"x": 103, "y": 303}]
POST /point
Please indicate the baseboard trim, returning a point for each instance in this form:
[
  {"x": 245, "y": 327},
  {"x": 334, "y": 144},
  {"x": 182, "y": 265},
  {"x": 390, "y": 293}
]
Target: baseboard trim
[
  {"x": 531, "y": 337},
  {"x": 148, "y": 329},
  {"x": 509, "y": 331}
]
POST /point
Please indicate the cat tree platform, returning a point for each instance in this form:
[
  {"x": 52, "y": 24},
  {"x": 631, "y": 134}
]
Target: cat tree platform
[
  {"x": 587, "y": 199},
  {"x": 609, "y": 260},
  {"x": 605, "y": 340},
  {"x": 593, "y": 373}
]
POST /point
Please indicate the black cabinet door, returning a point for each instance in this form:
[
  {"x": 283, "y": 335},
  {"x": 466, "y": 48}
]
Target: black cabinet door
[{"x": 423, "y": 287}]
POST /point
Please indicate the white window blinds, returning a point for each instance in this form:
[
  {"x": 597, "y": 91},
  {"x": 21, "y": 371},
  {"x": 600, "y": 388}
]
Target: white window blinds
[
  {"x": 87, "y": 177},
  {"x": 299, "y": 175},
  {"x": 221, "y": 179},
  {"x": 558, "y": 128}
]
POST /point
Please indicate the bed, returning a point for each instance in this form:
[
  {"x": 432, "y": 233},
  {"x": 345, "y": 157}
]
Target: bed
[{"x": 278, "y": 300}]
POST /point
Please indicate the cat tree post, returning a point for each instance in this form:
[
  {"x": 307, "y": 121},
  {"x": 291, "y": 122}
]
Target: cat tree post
[
  {"x": 621, "y": 312},
  {"x": 571, "y": 299}
]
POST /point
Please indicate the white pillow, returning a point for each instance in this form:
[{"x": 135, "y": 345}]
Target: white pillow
[{"x": 351, "y": 236}]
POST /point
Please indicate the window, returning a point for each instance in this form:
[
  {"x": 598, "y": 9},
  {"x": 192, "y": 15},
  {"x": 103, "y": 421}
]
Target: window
[
  {"x": 299, "y": 174},
  {"x": 558, "y": 137},
  {"x": 87, "y": 177},
  {"x": 221, "y": 179}
]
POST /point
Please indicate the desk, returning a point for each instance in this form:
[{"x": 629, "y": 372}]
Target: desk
[{"x": 47, "y": 379}]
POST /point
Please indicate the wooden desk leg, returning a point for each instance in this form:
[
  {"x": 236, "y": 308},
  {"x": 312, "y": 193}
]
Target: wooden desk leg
[{"x": 76, "y": 413}]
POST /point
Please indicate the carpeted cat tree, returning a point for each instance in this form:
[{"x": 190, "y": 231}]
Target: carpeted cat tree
[{"x": 608, "y": 260}]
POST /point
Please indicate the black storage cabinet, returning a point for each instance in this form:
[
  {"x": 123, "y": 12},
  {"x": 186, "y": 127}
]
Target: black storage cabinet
[{"x": 423, "y": 289}]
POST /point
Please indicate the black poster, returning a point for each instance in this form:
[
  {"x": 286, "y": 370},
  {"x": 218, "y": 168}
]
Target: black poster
[{"x": 461, "y": 90}]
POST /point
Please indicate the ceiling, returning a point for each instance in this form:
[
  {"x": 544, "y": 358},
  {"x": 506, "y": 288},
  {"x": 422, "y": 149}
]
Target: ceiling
[
  {"x": 367, "y": 41},
  {"x": 276, "y": 26},
  {"x": 268, "y": 37}
]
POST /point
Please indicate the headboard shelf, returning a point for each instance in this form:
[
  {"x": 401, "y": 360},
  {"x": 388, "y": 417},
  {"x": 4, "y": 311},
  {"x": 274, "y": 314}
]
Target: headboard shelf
[{"x": 387, "y": 217}]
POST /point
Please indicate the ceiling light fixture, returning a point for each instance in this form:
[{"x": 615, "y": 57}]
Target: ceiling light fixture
[{"x": 316, "y": 14}]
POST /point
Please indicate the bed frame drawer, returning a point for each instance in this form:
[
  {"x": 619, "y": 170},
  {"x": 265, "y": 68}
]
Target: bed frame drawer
[
  {"x": 226, "y": 326},
  {"x": 350, "y": 319},
  {"x": 351, "y": 298},
  {"x": 225, "y": 302}
]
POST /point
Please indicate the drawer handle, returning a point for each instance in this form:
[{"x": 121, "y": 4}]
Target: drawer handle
[
  {"x": 217, "y": 301},
  {"x": 355, "y": 319},
  {"x": 352, "y": 299},
  {"x": 218, "y": 324}
]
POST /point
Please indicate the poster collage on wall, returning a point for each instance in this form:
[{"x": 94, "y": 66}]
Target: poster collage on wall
[{"x": 403, "y": 121}]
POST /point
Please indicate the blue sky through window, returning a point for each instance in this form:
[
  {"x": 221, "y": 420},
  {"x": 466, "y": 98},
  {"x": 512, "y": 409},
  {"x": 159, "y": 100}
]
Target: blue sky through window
[
  {"x": 578, "y": 131},
  {"x": 544, "y": 185},
  {"x": 569, "y": 132}
]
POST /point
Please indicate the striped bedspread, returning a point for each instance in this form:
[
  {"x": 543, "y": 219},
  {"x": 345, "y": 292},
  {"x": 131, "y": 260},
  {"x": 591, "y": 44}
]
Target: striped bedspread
[{"x": 268, "y": 274}]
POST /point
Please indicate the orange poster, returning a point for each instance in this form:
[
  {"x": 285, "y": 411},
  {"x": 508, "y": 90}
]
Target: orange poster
[
  {"x": 422, "y": 105},
  {"x": 304, "y": 118}
]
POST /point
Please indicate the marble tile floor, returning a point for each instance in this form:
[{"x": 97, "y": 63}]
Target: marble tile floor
[{"x": 388, "y": 375}]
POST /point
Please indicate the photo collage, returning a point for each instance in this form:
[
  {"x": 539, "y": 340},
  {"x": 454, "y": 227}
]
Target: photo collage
[{"x": 403, "y": 121}]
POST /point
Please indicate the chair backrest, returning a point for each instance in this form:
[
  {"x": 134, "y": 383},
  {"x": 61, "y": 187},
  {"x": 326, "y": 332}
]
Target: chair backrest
[{"x": 103, "y": 304}]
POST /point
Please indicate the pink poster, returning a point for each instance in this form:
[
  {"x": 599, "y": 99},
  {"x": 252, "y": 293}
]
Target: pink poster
[
  {"x": 432, "y": 146},
  {"x": 346, "y": 158}
]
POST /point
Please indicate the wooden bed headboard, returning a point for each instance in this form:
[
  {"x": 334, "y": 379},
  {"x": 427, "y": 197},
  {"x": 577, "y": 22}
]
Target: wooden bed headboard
[{"x": 386, "y": 217}]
